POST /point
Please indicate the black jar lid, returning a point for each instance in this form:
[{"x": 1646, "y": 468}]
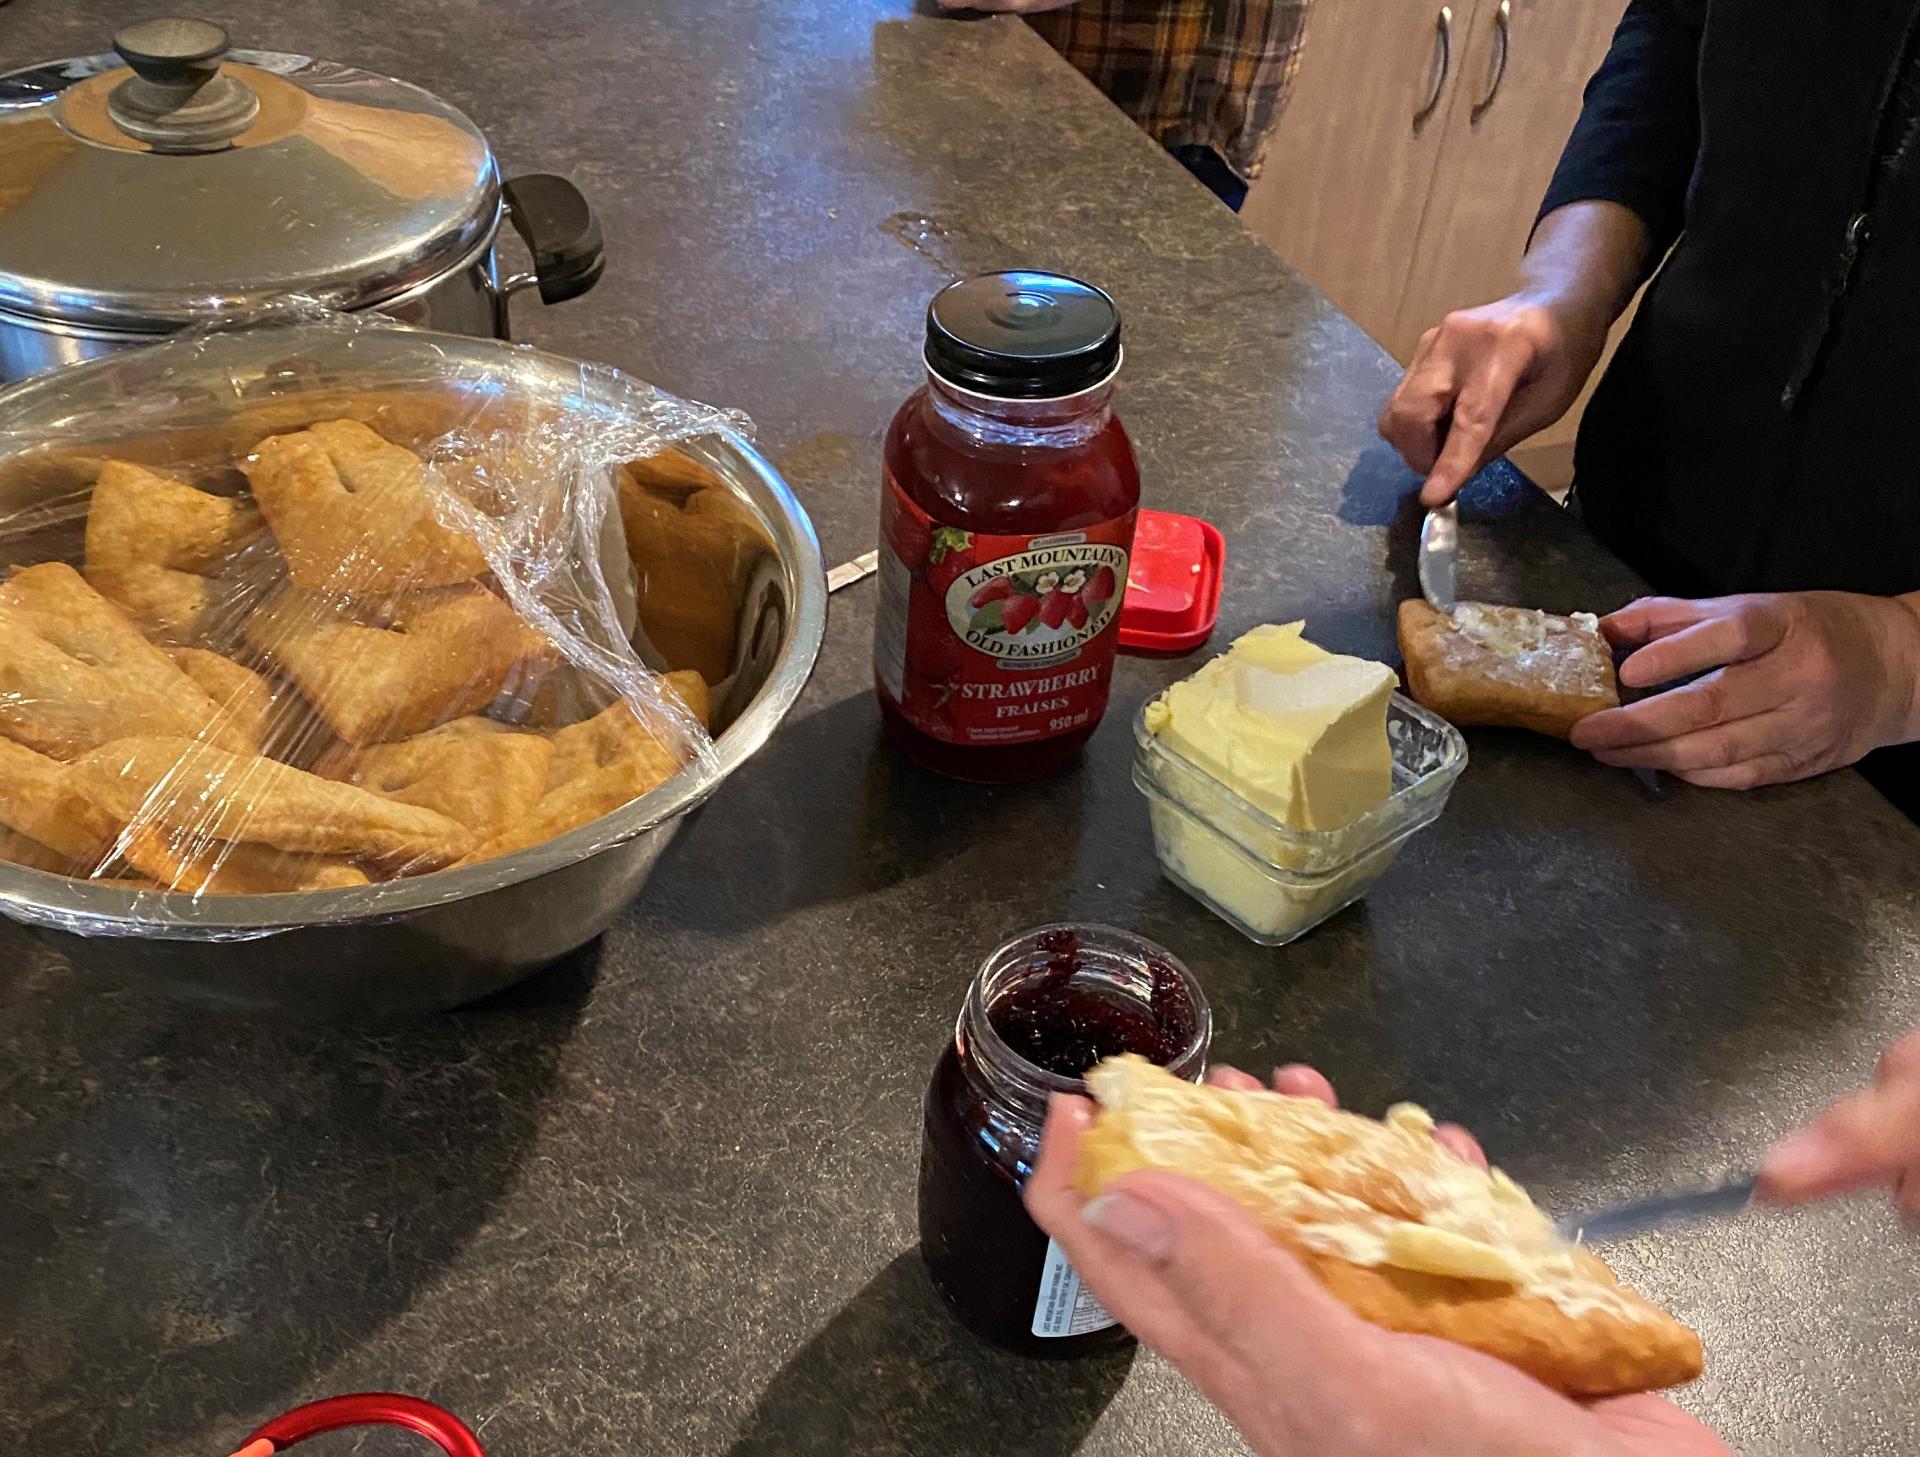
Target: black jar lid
[{"x": 1023, "y": 335}]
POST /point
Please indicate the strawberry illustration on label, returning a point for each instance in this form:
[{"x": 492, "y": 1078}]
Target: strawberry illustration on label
[
  {"x": 996, "y": 590},
  {"x": 1039, "y": 603},
  {"x": 1015, "y": 614},
  {"x": 989, "y": 639}
]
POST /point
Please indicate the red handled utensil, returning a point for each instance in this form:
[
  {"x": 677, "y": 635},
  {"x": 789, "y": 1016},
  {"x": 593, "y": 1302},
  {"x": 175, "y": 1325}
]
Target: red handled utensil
[{"x": 364, "y": 1409}]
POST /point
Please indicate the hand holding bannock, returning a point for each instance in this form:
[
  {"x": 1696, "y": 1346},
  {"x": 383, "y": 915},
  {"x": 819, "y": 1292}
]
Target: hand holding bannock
[
  {"x": 1792, "y": 684},
  {"x": 1197, "y": 1278}
]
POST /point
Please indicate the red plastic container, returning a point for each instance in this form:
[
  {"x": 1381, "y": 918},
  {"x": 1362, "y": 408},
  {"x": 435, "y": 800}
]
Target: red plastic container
[
  {"x": 1173, "y": 591},
  {"x": 364, "y": 1409}
]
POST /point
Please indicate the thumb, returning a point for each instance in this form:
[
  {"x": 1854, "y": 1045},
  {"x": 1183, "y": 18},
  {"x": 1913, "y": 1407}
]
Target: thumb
[
  {"x": 1859, "y": 1142},
  {"x": 1228, "y": 1276}
]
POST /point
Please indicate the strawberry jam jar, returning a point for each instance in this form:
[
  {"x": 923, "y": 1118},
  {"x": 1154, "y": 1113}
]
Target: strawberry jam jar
[
  {"x": 1007, "y": 518},
  {"x": 1043, "y": 1009}
]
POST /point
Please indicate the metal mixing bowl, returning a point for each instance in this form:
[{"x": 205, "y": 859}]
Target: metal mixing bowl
[{"x": 438, "y": 940}]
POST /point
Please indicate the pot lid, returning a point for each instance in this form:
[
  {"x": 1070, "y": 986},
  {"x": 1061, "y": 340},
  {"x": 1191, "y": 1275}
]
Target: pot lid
[{"x": 177, "y": 181}]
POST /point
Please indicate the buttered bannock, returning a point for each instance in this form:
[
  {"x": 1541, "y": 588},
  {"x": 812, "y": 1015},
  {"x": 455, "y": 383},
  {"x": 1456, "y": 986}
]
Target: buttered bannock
[
  {"x": 1507, "y": 666},
  {"x": 1407, "y": 1234}
]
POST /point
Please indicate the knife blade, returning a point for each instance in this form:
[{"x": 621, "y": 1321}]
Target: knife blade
[
  {"x": 1439, "y": 546},
  {"x": 1622, "y": 1220},
  {"x": 857, "y": 570}
]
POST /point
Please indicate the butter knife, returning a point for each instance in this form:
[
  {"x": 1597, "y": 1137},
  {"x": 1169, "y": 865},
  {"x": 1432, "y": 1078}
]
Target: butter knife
[
  {"x": 857, "y": 570},
  {"x": 1439, "y": 546},
  {"x": 1623, "y": 1220}
]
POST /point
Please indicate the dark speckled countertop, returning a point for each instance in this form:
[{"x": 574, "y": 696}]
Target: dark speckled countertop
[{"x": 661, "y": 1200}]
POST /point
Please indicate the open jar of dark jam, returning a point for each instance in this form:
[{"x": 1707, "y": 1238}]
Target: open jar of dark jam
[{"x": 1043, "y": 1009}]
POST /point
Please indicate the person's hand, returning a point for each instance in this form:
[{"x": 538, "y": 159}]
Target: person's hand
[
  {"x": 1485, "y": 380},
  {"x": 1489, "y": 377},
  {"x": 1869, "y": 1140},
  {"x": 1190, "y": 1273},
  {"x": 1005, "y": 7},
  {"x": 1800, "y": 682}
]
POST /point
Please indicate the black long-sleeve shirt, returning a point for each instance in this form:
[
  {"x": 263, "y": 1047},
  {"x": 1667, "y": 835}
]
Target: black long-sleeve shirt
[
  {"x": 1756, "y": 430},
  {"x": 1639, "y": 132},
  {"x": 1638, "y": 135}
]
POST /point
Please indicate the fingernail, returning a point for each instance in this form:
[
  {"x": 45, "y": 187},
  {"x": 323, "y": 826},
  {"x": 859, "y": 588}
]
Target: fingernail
[{"x": 1135, "y": 1223}]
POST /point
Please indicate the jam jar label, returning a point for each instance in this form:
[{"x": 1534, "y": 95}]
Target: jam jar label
[
  {"x": 1065, "y": 1307},
  {"x": 997, "y": 639}
]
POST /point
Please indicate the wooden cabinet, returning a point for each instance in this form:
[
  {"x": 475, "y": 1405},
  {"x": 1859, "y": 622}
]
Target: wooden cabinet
[
  {"x": 1348, "y": 171},
  {"x": 1405, "y": 173}
]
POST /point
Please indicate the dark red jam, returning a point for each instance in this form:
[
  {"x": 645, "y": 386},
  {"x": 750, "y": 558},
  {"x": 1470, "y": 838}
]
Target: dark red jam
[
  {"x": 1066, "y": 1024},
  {"x": 1043, "y": 1010}
]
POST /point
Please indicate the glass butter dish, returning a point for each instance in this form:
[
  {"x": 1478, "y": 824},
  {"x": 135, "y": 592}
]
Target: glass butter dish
[{"x": 1269, "y": 881}]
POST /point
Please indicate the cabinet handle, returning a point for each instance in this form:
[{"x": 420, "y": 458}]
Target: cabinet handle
[
  {"x": 1503, "y": 34},
  {"x": 1443, "y": 27}
]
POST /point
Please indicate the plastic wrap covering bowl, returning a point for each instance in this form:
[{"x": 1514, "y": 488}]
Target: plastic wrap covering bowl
[{"x": 603, "y": 540}]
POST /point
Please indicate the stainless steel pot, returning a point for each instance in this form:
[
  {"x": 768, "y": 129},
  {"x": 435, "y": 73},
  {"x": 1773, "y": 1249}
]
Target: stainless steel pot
[
  {"x": 447, "y": 938},
  {"x": 175, "y": 183}
]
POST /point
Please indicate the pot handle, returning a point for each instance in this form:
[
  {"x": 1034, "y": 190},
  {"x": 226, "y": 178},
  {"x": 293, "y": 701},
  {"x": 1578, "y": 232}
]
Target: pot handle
[
  {"x": 366, "y": 1409},
  {"x": 558, "y": 226}
]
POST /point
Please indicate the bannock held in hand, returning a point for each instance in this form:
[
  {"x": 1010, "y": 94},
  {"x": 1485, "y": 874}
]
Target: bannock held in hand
[{"x": 1405, "y": 1233}]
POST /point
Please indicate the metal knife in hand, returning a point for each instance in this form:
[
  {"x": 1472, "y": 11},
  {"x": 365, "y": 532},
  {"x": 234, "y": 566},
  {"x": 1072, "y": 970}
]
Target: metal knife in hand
[
  {"x": 1645, "y": 1214},
  {"x": 1439, "y": 546}
]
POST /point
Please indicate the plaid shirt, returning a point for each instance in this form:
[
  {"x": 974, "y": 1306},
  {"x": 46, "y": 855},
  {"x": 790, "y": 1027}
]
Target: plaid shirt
[{"x": 1210, "y": 73}]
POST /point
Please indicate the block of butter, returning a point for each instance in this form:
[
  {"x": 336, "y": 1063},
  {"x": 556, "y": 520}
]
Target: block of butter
[
  {"x": 1293, "y": 729},
  {"x": 1255, "y": 767}
]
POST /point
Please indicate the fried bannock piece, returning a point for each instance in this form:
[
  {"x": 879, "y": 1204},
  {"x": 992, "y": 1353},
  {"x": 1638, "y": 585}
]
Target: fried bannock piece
[
  {"x": 185, "y": 861},
  {"x": 19, "y": 849},
  {"x": 183, "y": 787},
  {"x": 353, "y": 514},
  {"x": 420, "y": 661},
  {"x": 597, "y": 766},
  {"x": 243, "y": 696},
  {"x": 473, "y": 770},
  {"x": 1511, "y": 667},
  {"x": 1406, "y": 1233},
  {"x": 575, "y": 803},
  {"x": 694, "y": 547},
  {"x": 74, "y": 673},
  {"x": 694, "y": 695},
  {"x": 42, "y": 799},
  {"x": 571, "y": 695},
  {"x": 616, "y": 736},
  {"x": 155, "y": 545}
]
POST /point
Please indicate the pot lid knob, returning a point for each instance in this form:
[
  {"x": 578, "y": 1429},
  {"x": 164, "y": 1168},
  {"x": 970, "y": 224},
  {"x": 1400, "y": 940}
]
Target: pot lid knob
[{"x": 176, "y": 100}]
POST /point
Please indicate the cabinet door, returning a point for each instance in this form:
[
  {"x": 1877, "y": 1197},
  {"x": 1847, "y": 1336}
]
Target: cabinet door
[
  {"x": 1522, "y": 68},
  {"x": 1349, "y": 166}
]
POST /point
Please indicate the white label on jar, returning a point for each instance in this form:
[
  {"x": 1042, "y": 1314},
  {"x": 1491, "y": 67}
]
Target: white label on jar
[
  {"x": 890, "y": 637},
  {"x": 1065, "y": 1307}
]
